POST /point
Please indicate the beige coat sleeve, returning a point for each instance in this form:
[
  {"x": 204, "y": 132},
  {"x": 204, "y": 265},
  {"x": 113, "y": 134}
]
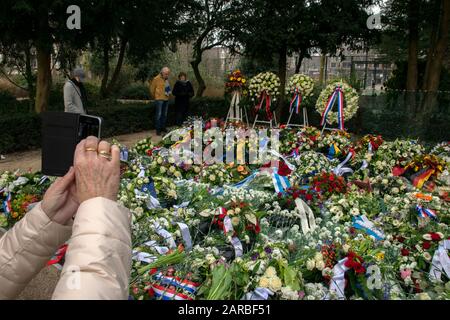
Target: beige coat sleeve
[
  {"x": 26, "y": 248},
  {"x": 98, "y": 259}
]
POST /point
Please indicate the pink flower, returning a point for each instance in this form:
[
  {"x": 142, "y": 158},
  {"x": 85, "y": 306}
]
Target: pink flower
[
  {"x": 301, "y": 294},
  {"x": 405, "y": 273}
]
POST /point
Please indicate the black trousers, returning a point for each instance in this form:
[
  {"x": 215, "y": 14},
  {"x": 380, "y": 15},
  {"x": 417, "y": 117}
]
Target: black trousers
[{"x": 182, "y": 111}]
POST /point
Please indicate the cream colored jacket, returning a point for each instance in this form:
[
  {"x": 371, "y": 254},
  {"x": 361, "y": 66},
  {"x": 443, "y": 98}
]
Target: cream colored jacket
[{"x": 98, "y": 260}]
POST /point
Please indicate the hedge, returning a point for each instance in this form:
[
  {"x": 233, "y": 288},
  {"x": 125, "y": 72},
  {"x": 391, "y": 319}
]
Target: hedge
[
  {"x": 23, "y": 131},
  {"x": 376, "y": 116}
]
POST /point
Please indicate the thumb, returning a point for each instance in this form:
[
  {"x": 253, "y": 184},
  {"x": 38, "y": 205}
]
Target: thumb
[{"x": 64, "y": 182}]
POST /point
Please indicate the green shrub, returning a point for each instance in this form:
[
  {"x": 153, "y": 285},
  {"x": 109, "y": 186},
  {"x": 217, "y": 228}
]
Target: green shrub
[
  {"x": 135, "y": 91},
  {"x": 376, "y": 116}
]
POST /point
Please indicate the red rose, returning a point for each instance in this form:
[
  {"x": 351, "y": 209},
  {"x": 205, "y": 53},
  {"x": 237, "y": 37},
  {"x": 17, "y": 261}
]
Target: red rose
[
  {"x": 359, "y": 269},
  {"x": 309, "y": 197},
  {"x": 426, "y": 245},
  {"x": 405, "y": 252},
  {"x": 400, "y": 239},
  {"x": 435, "y": 236}
]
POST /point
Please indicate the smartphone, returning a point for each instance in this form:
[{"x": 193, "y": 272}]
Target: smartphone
[
  {"x": 61, "y": 132},
  {"x": 89, "y": 126}
]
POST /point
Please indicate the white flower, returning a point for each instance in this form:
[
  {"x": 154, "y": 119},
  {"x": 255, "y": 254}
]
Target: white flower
[
  {"x": 427, "y": 237},
  {"x": 320, "y": 265},
  {"x": 310, "y": 264},
  {"x": 354, "y": 212},
  {"x": 427, "y": 256}
]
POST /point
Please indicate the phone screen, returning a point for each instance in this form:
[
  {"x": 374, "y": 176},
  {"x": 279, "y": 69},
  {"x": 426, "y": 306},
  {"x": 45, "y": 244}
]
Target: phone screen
[{"x": 89, "y": 126}]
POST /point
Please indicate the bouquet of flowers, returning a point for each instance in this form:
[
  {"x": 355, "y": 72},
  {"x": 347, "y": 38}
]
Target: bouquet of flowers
[
  {"x": 395, "y": 153},
  {"x": 327, "y": 184},
  {"x": 351, "y": 99},
  {"x": 300, "y": 83},
  {"x": 311, "y": 162},
  {"x": 264, "y": 82},
  {"x": 336, "y": 143},
  {"x": 216, "y": 175},
  {"x": 422, "y": 168},
  {"x": 235, "y": 81},
  {"x": 143, "y": 147}
]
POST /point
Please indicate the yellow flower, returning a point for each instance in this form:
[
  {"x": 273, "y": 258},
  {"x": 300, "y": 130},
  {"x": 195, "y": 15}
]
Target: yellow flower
[
  {"x": 244, "y": 81},
  {"x": 380, "y": 256},
  {"x": 271, "y": 272},
  {"x": 264, "y": 282},
  {"x": 275, "y": 284}
]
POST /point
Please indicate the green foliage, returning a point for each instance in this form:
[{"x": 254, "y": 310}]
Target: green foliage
[
  {"x": 22, "y": 131},
  {"x": 398, "y": 79},
  {"x": 135, "y": 91}
]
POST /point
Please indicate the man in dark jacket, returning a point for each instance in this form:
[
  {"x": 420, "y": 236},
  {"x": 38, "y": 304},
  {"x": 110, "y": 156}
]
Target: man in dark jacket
[{"x": 183, "y": 92}]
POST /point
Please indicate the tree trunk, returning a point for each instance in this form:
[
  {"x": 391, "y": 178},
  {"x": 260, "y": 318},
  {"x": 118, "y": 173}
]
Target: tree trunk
[
  {"x": 103, "y": 88},
  {"x": 413, "y": 46},
  {"x": 195, "y": 63},
  {"x": 43, "y": 53},
  {"x": 282, "y": 66},
  {"x": 44, "y": 79},
  {"x": 112, "y": 84},
  {"x": 439, "y": 43},
  {"x": 298, "y": 62},
  {"x": 438, "y": 49},
  {"x": 433, "y": 39}
]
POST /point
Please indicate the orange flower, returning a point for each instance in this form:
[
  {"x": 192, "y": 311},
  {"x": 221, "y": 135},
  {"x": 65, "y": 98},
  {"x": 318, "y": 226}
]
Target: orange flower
[
  {"x": 240, "y": 168},
  {"x": 424, "y": 197}
]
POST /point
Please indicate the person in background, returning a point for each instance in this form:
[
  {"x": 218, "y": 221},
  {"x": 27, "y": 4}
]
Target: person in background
[
  {"x": 160, "y": 91},
  {"x": 75, "y": 97},
  {"x": 80, "y": 207},
  {"x": 183, "y": 92}
]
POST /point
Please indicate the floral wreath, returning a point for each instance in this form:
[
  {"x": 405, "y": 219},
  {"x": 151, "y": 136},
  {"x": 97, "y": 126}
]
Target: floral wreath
[
  {"x": 300, "y": 83},
  {"x": 266, "y": 81},
  {"x": 351, "y": 99}
]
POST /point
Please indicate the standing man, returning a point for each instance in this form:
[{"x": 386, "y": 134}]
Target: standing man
[
  {"x": 160, "y": 91},
  {"x": 75, "y": 97}
]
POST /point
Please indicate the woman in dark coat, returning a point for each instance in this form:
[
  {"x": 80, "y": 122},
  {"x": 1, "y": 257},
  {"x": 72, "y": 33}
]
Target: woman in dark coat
[{"x": 183, "y": 92}]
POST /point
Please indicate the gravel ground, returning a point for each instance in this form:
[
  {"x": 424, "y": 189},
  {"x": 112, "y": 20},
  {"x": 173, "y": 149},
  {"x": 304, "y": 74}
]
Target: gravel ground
[{"x": 42, "y": 286}]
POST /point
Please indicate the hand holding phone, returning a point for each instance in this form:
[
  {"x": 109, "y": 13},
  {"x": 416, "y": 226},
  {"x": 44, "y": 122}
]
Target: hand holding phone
[{"x": 61, "y": 132}]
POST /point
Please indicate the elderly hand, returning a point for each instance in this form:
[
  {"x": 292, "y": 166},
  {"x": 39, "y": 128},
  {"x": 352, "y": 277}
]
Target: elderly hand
[
  {"x": 97, "y": 170},
  {"x": 60, "y": 203}
]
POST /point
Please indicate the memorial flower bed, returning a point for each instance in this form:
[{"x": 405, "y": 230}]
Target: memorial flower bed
[{"x": 353, "y": 219}]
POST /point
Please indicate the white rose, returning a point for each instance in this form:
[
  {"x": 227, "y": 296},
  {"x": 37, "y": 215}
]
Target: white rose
[
  {"x": 320, "y": 265},
  {"x": 310, "y": 264}
]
